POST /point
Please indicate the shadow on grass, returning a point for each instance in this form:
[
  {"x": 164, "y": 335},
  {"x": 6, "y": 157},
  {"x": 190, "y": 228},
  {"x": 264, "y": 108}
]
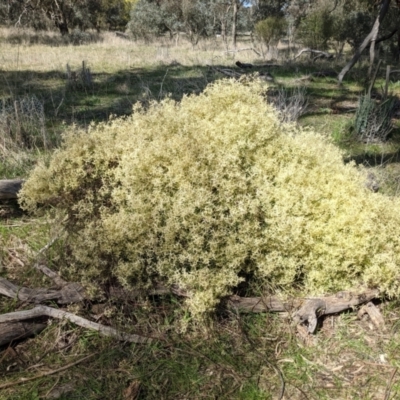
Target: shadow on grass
[
  {"x": 69, "y": 98},
  {"x": 82, "y": 96}
]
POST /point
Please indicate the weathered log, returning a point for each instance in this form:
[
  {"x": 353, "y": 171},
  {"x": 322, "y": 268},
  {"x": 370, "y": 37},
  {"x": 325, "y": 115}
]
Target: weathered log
[
  {"x": 69, "y": 293},
  {"x": 309, "y": 308},
  {"x": 12, "y": 331},
  {"x": 9, "y": 188},
  {"x": 313, "y": 308},
  {"x": 319, "y": 54},
  {"x": 262, "y": 304},
  {"x": 373, "y": 313},
  {"x": 44, "y": 311}
]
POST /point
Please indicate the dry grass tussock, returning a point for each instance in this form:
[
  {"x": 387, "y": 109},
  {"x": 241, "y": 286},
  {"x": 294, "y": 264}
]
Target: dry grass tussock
[{"x": 109, "y": 54}]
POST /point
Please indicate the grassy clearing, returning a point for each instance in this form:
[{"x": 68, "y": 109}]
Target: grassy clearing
[{"x": 235, "y": 357}]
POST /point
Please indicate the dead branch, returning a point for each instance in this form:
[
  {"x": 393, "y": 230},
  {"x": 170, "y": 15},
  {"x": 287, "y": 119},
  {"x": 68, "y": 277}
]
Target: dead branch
[
  {"x": 373, "y": 313},
  {"x": 262, "y": 304},
  {"x": 319, "y": 54},
  {"x": 316, "y": 307},
  {"x": 69, "y": 293},
  {"x": 51, "y": 274},
  {"x": 9, "y": 188},
  {"x": 309, "y": 310},
  {"x": 44, "y": 311}
]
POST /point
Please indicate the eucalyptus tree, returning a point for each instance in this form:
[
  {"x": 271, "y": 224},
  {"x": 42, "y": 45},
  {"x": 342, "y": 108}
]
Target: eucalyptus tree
[
  {"x": 67, "y": 14},
  {"x": 155, "y": 17},
  {"x": 371, "y": 38}
]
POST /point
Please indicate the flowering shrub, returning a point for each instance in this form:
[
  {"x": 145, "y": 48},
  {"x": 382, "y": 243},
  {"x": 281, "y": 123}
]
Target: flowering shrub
[{"x": 205, "y": 192}]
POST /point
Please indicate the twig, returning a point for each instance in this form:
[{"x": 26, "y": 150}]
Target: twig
[
  {"x": 47, "y": 246},
  {"x": 389, "y": 385},
  {"x": 41, "y": 311},
  {"x": 43, "y": 374},
  {"x": 319, "y": 54}
]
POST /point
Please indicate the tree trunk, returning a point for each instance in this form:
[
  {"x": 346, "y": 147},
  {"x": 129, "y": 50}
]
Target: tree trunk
[
  {"x": 223, "y": 31},
  {"x": 234, "y": 22},
  {"x": 373, "y": 34},
  {"x": 372, "y": 50},
  {"x": 397, "y": 56}
]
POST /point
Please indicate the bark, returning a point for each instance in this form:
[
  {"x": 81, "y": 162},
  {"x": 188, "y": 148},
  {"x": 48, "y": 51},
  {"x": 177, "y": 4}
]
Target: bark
[
  {"x": 374, "y": 315},
  {"x": 223, "y": 31},
  {"x": 372, "y": 50},
  {"x": 373, "y": 34},
  {"x": 313, "y": 308},
  {"x": 308, "y": 311},
  {"x": 12, "y": 331},
  {"x": 9, "y": 188},
  {"x": 70, "y": 293}
]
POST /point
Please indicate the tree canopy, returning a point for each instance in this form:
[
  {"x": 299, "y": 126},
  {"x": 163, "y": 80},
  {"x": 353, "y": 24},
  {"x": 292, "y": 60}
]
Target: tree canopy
[{"x": 319, "y": 24}]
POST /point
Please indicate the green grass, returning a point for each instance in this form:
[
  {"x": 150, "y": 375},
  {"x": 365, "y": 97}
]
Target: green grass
[{"x": 233, "y": 357}]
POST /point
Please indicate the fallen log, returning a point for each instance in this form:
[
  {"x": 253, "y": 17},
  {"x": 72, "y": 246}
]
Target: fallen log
[
  {"x": 10, "y": 332},
  {"x": 69, "y": 293},
  {"x": 314, "y": 308},
  {"x": 9, "y": 188}
]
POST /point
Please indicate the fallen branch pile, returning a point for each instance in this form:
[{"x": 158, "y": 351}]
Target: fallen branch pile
[{"x": 303, "y": 311}]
